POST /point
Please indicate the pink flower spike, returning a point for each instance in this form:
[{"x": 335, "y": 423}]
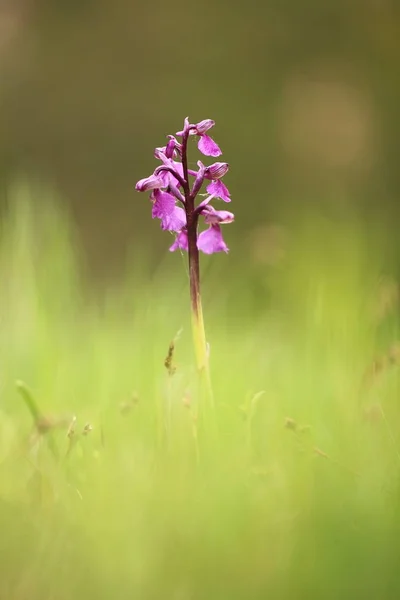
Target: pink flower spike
[
  {"x": 211, "y": 240},
  {"x": 219, "y": 189},
  {"x": 181, "y": 242},
  {"x": 150, "y": 183},
  {"x": 208, "y": 147},
  {"x": 175, "y": 193}
]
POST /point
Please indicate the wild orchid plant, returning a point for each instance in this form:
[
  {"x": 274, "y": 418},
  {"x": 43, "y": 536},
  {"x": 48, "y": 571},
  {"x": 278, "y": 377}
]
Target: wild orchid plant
[{"x": 174, "y": 188}]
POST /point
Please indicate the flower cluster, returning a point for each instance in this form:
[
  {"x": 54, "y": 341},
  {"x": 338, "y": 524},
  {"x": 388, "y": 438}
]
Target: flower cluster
[{"x": 174, "y": 187}]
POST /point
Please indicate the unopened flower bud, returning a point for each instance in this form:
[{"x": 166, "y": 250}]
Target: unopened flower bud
[
  {"x": 170, "y": 147},
  {"x": 199, "y": 179}
]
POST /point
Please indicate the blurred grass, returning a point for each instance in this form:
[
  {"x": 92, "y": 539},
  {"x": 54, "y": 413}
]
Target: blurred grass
[{"x": 297, "y": 496}]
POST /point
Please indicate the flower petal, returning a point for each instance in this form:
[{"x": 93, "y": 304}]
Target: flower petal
[
  {"x": 211, "y": 241},
  {"x": 203, "y": 126},
  {"x": 153, "y": 182},
  {"x": 216, "y": 170},
  {"x": 176, "y": 220},
  {"x": 208, "y": 147},
  {"x": 163, "y": 204},
  {"x": 204, "y": 203},
  {"x": 172, "y": 217},
  {"x": 170, "y": 147},
  {"x": 177, "y": 145},
  {"x": 214, "y": 217},
  {"x": 178, "y": 167},
  {"x": 168, "y": 176},
  {"x": 219, "y": 189},
  {"x": 181, "y": 242},
  {"x": 159, "y": 152}
]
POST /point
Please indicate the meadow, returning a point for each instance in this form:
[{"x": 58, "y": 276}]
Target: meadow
[{"x": 120, "y": 479}]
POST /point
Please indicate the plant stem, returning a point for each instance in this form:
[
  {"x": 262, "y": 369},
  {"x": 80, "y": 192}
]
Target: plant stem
[
  {"x": 195, "y": 298},
  {"x": 199, "y": 336}
]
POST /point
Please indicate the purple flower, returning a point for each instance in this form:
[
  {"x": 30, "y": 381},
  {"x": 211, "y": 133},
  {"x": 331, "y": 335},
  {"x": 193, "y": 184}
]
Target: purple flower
[
  {"x": 216, "y": 170},
  {"x": 206, "y": 145},
  {"x": 203, "y": 126},
  {"x": 170, "y": 171},
  {"x": 174, "y": 189},
  {"x": 219, "y": 189},
  {"x": 181, "y": 242},
  {"x": 172, "y": 217},
  {"x": 172, "y": 148},
  {"x": 213, "y": 217},
  {"x": 150, "y": 183},
  {"x": 211, "y": 240}
]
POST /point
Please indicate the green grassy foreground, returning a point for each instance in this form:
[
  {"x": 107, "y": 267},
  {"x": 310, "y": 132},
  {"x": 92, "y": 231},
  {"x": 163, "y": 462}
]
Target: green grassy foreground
[{"x": 288, "y": 489}]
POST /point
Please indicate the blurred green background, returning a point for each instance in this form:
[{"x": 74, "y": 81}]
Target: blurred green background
[
  {"x": 289, "y": 487},
  {"x": 305, "y": 95}
]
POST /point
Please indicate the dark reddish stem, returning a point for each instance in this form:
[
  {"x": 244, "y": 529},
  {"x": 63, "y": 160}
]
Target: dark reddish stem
[{"x": 191, "y": 221}]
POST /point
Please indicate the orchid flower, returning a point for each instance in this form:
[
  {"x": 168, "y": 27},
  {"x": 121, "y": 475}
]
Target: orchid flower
[{"x": 174, "y": 189}]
